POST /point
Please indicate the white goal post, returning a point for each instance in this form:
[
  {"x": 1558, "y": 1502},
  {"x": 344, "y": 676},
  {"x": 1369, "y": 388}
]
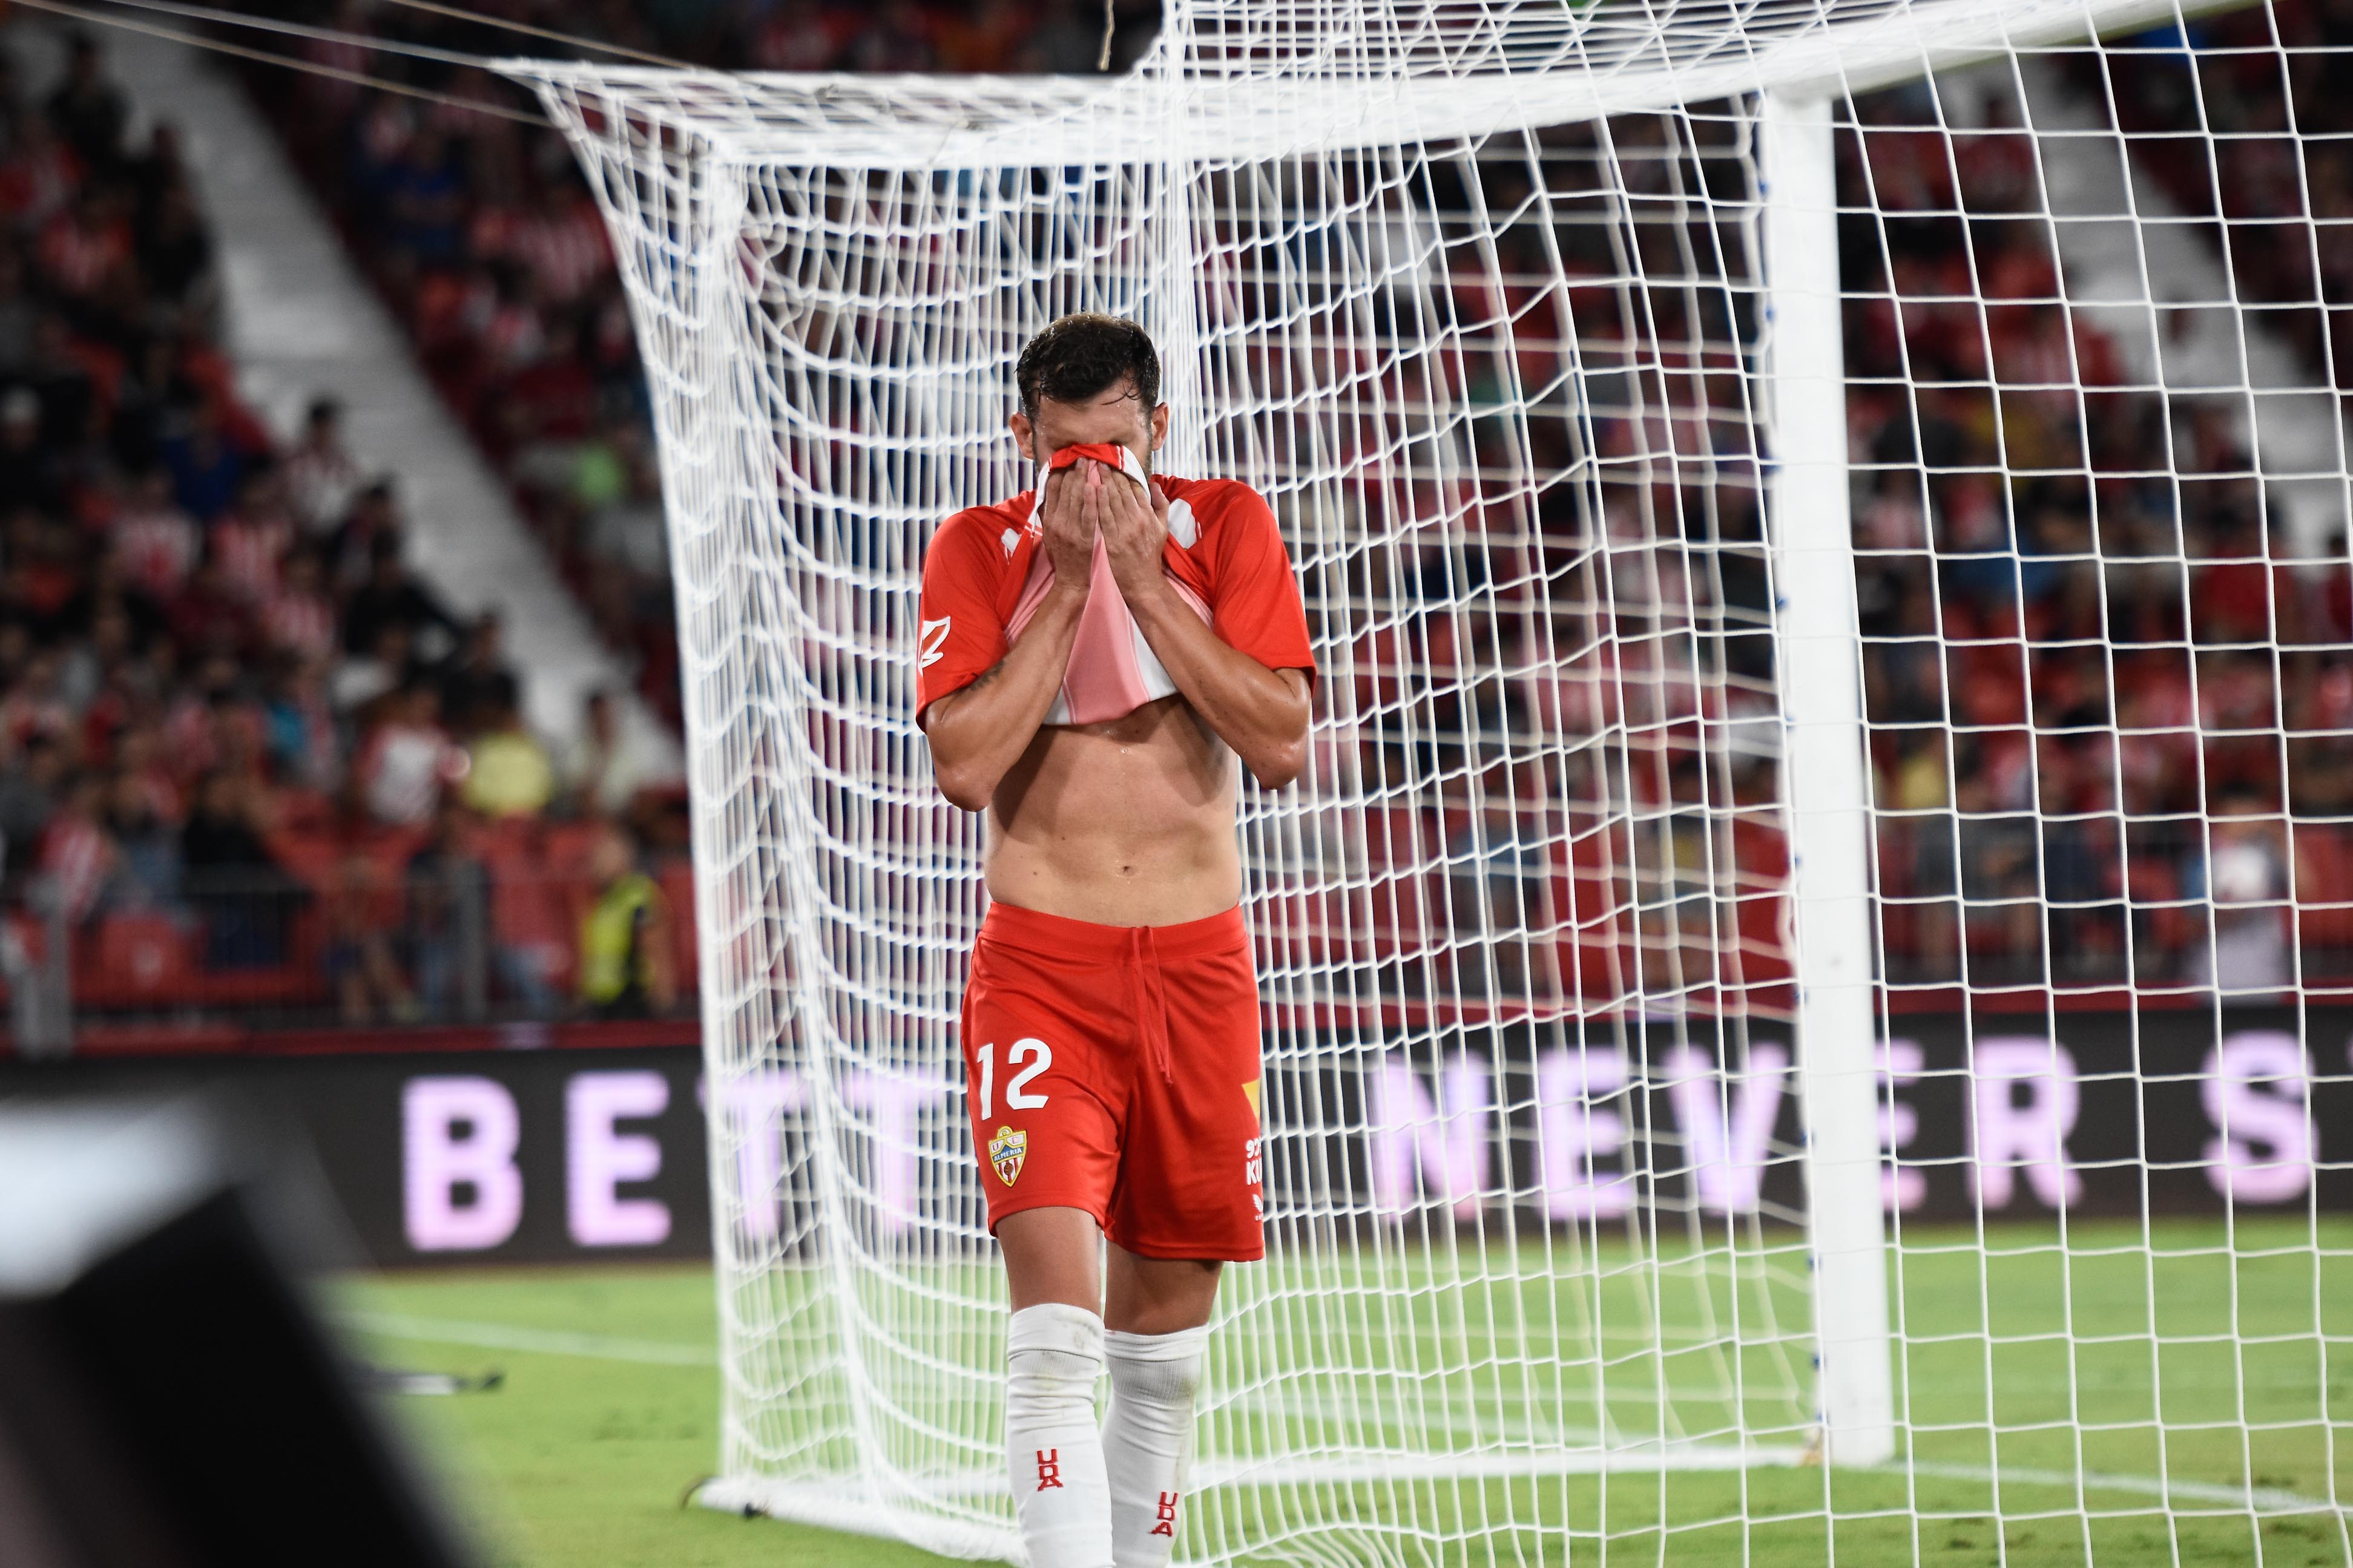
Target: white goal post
[{"x": 1733, "y": 1076}]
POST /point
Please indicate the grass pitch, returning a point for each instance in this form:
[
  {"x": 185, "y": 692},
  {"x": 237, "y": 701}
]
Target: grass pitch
[
  {"x": 608, "y": 1413},
  {"x": 2032, "y": 1372}
]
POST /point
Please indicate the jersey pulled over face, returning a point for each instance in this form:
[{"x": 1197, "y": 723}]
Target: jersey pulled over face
[{"x": 987, "y": 571}]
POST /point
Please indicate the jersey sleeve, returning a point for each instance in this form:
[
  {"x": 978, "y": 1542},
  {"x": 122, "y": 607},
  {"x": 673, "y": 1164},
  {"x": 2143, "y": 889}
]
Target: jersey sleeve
[
  {"x": 962, "y": 636},
  {"x": 1255, "y": 604}
]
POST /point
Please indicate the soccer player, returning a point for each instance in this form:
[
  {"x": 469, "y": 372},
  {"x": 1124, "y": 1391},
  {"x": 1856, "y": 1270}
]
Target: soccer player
[{"x": 1097, "y": 655}]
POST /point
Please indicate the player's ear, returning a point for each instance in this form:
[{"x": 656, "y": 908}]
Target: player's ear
[
  {"x": 1024, "y": 432},
  {"x": 1159, "y": 423}
]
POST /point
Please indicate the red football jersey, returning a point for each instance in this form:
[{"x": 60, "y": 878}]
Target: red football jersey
[{"x": 987, "y": 570}]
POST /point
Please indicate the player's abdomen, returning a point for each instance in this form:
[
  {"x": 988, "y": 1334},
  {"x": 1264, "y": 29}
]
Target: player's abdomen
[{"x": 1129, "y": 823}]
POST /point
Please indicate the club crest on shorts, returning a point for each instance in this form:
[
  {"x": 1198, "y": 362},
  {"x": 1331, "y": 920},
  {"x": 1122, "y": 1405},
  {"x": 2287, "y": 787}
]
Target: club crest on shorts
[{"x": 1006, "y": 1152}]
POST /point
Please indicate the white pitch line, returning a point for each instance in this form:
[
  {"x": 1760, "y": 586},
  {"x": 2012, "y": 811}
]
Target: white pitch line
[
  {"x": 1503, "y": 1466},
  {"x": 2259, "y": 1500},
  {"x": 537, "y": 1342}
]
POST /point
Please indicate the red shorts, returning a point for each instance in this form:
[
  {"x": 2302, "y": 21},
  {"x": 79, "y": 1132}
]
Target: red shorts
[{"x": 1115, "y": 1069}]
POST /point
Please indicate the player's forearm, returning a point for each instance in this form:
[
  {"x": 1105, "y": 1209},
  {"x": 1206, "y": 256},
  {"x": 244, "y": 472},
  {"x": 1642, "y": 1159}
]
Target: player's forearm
[
  {"x": 978, "y": 733},
  {"x": 1258, "y": 711}
]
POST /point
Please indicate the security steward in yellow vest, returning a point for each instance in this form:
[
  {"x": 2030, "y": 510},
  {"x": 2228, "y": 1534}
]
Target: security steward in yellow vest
[{"x": 626, "y": 939}]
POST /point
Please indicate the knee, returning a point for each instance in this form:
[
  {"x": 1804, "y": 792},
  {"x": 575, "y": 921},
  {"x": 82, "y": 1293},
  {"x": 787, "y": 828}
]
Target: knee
[
  {"x": 1164, "y": 1369},
  {"x": 1053, "y": 1355}
]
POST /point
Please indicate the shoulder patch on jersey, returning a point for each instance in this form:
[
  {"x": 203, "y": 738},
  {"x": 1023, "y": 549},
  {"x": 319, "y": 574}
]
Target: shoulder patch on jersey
[
  {"x": 934, "y": 641},
  {"x": 1183, "y": 526}
]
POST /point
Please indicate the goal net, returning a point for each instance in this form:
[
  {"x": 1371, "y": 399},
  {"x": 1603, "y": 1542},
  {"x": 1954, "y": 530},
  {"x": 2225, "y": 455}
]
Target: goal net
[{"x": 1799, "y": 1010}]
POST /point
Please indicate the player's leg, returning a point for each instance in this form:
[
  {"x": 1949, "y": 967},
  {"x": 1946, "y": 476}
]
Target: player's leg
[
  {"x": 1189, "y": 1197},
  {"x": 1053, "y": 1355},
  {"x": 1157, "y": 1310},
  {"x": 1052, "y": 1255},
  {"x": 1158, "y": 1295},
  {"x": 1046, "y": 1104}
]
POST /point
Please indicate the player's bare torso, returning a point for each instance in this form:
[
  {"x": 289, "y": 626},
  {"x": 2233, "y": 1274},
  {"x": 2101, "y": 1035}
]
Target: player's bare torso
[
  {"x": 1124, "y": 822},
  {"x": 1111, "y": 778}
]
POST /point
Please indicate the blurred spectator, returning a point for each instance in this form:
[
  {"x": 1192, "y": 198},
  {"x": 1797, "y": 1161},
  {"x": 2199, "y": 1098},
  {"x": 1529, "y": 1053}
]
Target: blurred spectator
[
  {"x": 87, "y": 109},
  {"x": 299, "y": 726},
  {"x": 2246, "y": 876},
  {"x": 626, "y": 942},
  {"x": 28, "y": 476},
  {"x": 448, "y": 919},
  {"x": 298, "y": 618},
  {"x": 78, "y": 853},
  {"x": 386, "y": 666},
  {"x": 35, "y": 705},
  {"x": 477, "y": 683},
  {"x": 147, "y": 846},
  {"x": 238, "y": 886},
  {"x": 252, "y": 538},
  {"x": 209, "y": 618},
  {"x": 206, "y": 463},
  {"x": 154, "y": 540},
  {"x": 626, "y": 528},
  {"x": 508, "y": 773},
  {"x": 321, "y": 477},
  {"x": 30, "y": 785},
  {"x": 364, "y": 912},
  {"x": 390, "y": 597},
  {"x": 176, "y": 253},
  {"x": 605, "y": 767},
  {"x": 375, "y": 511},
  {"x": 407, "y": 759}
]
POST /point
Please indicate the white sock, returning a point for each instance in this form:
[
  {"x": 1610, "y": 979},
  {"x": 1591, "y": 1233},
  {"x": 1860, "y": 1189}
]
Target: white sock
[
  {"x": 1147, "y": 1439},
  {"x": 1053, "y": 1452}
]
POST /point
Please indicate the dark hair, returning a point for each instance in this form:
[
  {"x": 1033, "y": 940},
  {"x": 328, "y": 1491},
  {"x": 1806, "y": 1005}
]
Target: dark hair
[{"x": 1085, "y": 355}]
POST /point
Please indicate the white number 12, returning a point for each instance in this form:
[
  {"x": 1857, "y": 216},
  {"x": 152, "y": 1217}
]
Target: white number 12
[{"x": 1017, "y": 1095}]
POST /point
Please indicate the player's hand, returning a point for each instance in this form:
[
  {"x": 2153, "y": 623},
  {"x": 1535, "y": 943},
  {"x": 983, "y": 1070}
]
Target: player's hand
[
  {"x": 1133, "y": 522},
  {"x": 1069, "y": 529}
]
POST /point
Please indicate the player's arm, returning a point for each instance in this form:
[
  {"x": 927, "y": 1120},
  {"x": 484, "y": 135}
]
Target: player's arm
[
  {"x": 1262, "y": 713},
  {"x": 977, "y": 732}
]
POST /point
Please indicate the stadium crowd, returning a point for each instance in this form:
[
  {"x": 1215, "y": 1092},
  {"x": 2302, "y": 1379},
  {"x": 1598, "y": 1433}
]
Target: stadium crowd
[
  {"x": 2018, "y": 774},
  {"x": 482, "y": 235},
  {"x": 2272, "y": 86},
  {"x": 246, "y": 757},
  {"x": 2043, "y": 801},
  {"x": 2069, "y": 669},
  {"x": 2104, "y": 684}
]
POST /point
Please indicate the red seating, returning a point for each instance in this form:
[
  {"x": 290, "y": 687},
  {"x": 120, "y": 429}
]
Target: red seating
[
  {"x": 133, "y": 960},
  {"x": 2323, "y": 885}
]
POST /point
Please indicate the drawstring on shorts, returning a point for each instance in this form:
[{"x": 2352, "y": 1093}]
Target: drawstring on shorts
[{"x": 1151, "y": 999}]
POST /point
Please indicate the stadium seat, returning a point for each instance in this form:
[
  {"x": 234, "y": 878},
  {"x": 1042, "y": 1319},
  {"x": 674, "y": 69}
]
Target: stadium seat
[{"x": 133, "y": 960}]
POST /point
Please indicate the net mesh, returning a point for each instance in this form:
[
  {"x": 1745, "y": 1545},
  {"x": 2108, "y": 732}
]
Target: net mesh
[{"x": 1475, "y": 296}]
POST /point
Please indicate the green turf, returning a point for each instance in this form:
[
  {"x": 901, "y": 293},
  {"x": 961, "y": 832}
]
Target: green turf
[
  {"x": 2021, "y": 1360},
  {"x": 578, "y": 1459}
]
